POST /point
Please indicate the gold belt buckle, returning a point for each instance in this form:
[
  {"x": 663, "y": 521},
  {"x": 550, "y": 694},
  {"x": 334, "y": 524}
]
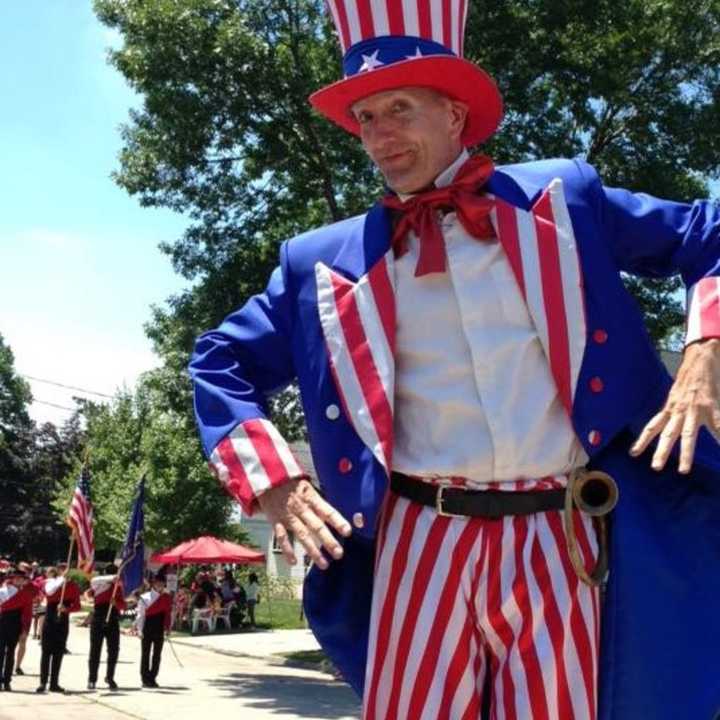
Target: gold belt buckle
[{"x": 439, "y": 502}]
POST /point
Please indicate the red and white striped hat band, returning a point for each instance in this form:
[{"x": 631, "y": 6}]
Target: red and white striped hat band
[{"x": 390, "y": 44}]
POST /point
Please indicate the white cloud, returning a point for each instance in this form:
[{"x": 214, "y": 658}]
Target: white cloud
[{"x": 77, "y": 356}]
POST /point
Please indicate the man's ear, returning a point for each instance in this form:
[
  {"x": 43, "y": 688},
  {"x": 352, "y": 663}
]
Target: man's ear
[{"x": 458, "y": 116}]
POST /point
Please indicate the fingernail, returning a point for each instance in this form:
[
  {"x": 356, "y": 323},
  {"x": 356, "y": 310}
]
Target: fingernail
[
  {"x": 358, "y": 520},
  {"x": 337, "y": 552},
  {"x": 322, "y": 563}
]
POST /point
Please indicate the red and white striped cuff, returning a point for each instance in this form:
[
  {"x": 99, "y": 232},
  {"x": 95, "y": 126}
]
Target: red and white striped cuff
[
  {"x": 703, "y": 318},
  {"x": 253, "y": 458}
]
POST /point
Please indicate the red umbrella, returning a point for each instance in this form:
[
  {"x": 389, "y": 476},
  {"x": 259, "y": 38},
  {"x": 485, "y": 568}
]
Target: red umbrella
[{"x": 208, "y": 549}]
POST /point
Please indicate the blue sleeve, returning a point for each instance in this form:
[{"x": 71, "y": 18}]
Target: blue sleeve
[
  {"x": 237, "y": 366},
  {"x": 658, "y": 238}
]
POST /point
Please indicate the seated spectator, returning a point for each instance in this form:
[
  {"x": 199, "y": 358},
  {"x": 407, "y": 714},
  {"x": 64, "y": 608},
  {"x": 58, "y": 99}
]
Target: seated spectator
[{"x": 228, "y": 587}]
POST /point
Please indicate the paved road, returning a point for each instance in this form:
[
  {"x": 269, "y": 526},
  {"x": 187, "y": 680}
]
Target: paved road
[{"x": 219, "y": 679}]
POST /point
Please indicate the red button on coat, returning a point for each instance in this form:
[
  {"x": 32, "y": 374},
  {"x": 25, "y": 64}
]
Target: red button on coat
[
  {"x": 344, "y": 466},
  {"x": 594, "y": 438},
  {"x": 600, "y": 336},
  {"x": 597, "y": 385}
]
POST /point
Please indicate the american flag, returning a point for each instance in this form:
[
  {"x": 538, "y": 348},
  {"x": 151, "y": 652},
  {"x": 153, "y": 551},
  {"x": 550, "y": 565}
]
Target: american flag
[{"x": 80, "y": 519}]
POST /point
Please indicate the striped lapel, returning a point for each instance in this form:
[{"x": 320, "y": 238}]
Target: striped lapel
[
  {"x": 540, "y": 245},
  {"x": 358, "y": 323}
]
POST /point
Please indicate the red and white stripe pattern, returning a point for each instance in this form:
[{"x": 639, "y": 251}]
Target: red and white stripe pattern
[
  {"x": 253, "y": 458},
  {"x": 703, "y": 313},
  {"x": 452, "y": 594},
  {"x": 542, "y": 251},
  {"x": 440, "y": 20},
  {"x": 358, "y": 322},
  {"x": 80, "y": 519}
]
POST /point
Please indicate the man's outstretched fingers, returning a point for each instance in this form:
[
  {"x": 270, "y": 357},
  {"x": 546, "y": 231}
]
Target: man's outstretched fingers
[
  {"x": 328, "y": 514},
  {"x": 668, "y": 438},
  {"x": 306, "y": 539},
  {"x": 322, "y": 533},
  {"x": 688, "y": 440},
  {"x": 284, "y": 542},
  {"x": 650, "y": 432}
]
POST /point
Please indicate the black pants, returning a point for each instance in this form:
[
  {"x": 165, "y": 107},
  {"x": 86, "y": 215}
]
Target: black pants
[
  {"x": 151, "y": 641},
  {"x": 99, "y": 631},
  {"x": 10, "y": 627},
  {"x": 54, "y": 636}
]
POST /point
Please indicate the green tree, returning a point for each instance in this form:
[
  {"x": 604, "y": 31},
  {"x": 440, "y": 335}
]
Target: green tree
[
  {"x": 225, "y": 133},
  {"x": 137, "y": 434},
  {"x": 16, "y": 437}
]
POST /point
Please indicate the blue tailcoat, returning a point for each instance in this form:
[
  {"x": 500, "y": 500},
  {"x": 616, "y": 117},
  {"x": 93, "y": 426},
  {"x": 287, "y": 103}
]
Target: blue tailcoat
[{"x": 660, "y": 623}]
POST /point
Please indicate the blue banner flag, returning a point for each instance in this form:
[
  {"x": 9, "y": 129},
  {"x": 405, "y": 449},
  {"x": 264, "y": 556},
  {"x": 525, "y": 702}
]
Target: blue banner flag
[{"x": 133, "y": 552}]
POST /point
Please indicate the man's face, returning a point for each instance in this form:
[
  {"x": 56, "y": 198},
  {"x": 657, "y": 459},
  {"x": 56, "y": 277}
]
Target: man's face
[{"x": 411, "y": 134}]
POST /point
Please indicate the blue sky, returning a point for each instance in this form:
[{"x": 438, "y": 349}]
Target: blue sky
[{"x": 79, "y": 264}]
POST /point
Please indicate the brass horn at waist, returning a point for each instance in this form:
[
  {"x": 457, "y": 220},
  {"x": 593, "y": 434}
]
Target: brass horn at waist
[{"x": 594, "y": 493}]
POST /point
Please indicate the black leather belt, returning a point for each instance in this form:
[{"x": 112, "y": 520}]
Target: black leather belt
[{"x": 452, "y": 501}]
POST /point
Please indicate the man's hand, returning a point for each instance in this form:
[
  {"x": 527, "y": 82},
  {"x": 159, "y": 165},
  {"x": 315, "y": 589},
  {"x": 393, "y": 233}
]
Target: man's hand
[
  {"x": 694, "y": 400},
  {"x": 297, "y": 507}
]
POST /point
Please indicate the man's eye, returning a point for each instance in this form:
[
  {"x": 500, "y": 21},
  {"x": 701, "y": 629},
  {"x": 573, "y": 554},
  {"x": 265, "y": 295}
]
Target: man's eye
[
  {"x": 364, "y": 117},
  {"x": 399, "y": 107}
]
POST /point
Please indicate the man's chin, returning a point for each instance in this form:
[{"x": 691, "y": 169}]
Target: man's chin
[{"x": 405, "y": 185}]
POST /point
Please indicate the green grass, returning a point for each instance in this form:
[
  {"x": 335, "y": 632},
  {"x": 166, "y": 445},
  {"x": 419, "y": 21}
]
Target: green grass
[
  {"x": 279, "y": 615},
  {"x": 283, "y": 615}
]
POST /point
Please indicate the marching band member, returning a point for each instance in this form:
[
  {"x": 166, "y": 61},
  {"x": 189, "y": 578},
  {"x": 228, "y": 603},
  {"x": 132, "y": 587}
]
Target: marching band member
[
  {"x": 56, "y": 627},
  {"x": 26, "y": 616},
  {"x": 104, "y": 591},
  {"x": 153, "y": 622},
  {"x": 15, "y": 595}
]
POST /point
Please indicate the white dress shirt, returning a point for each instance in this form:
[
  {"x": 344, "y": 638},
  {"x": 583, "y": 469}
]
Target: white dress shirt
[{"x": 474, "y": 396}]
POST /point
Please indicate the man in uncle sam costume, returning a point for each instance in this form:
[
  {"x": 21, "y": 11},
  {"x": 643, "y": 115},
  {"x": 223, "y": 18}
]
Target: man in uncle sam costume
[{"x": 463, "y": 351}]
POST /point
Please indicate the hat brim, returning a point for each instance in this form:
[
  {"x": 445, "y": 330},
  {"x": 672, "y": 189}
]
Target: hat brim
[{"x": 451, "y": 76}]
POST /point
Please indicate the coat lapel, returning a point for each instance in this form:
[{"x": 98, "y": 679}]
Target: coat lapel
[
  {"x": 356, "y": 305},
  {"x": 539, "y": 241}
]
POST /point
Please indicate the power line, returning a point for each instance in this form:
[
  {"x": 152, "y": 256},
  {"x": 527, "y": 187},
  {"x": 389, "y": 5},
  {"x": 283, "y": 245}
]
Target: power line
[
  {"x": 68, "y": 387},
  {"x": 53, "y": 405}
]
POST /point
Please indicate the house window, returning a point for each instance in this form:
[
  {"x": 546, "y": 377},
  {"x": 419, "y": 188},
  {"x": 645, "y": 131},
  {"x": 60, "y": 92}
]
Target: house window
[{"x": 276, "y": 545}]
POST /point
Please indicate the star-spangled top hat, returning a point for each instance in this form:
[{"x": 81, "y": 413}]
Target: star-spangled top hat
[{"x": 390, "y": 44}]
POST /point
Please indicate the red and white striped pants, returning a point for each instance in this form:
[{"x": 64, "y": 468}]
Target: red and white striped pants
[{"x": 455, "y": 598}]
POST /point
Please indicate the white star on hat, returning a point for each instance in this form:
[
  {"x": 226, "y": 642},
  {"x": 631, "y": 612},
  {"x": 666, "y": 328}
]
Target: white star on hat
[
  {"x": 417, "y": 54},
  {"x": 370, "y": 62}
]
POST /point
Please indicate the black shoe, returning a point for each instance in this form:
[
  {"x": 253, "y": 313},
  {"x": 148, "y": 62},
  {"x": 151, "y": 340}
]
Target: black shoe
[
  {"x": 19, "y": 671},
  {"x": 6, "y": 687},
  {"x": 57, "y": 689},
  {"x": 111, "y": 684},
  {"x": 150, "y": 684},
  {"x": 91, "y": 685},
  {"x": 40, "y": 689}
]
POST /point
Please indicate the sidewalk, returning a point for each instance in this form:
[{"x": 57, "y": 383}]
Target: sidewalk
[{"x": 222, "y": 675}]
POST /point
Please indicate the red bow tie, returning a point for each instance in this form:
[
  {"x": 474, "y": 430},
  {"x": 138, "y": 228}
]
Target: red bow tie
[{"x": 419, "y": 213}]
